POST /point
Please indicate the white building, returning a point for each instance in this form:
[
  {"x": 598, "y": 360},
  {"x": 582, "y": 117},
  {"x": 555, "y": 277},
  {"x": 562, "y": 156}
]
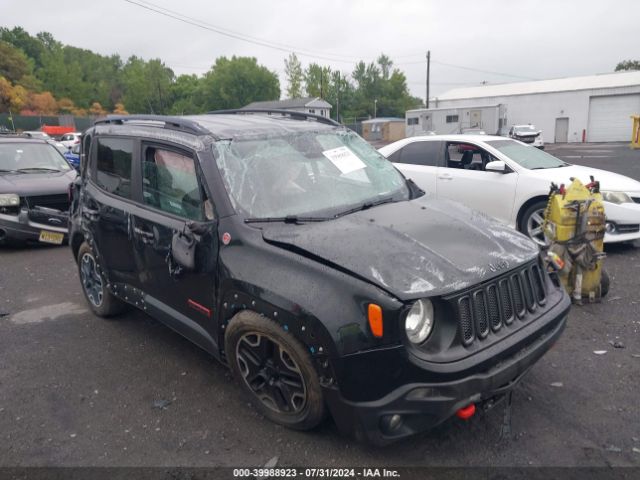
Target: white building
[
  {"x": 316, "y": 106},
  {"x": 565, "y": 109}
]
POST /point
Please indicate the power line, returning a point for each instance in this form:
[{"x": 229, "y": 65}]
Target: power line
[
  {"x": 240, "y": 36},
  {"x": 468, "y": 68}
]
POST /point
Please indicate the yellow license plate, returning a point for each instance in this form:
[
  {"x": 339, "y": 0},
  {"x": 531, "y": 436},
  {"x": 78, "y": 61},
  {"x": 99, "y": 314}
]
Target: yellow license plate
[{"x": 51, "y": 237}]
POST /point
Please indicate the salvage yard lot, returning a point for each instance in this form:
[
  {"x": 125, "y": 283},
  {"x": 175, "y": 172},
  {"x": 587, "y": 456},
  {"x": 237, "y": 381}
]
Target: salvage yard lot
[{"x": 76, "y": 390}]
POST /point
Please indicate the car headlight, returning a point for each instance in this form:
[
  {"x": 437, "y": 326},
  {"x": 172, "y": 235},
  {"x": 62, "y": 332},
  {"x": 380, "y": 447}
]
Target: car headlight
[
  {"x": 9, "y": 200},
  {"x": 419, "y": 321},
  {"x": 616, "y": 197}
]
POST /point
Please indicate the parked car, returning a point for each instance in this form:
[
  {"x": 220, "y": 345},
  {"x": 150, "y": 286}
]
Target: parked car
[
  {"x": 289, "y": 249},
  {"x": 72, "y": 154},
  {"x": 37, "y": 134},
  {"x": 70, "y": 139},
  {"x": 509, "y": 180},
  {"x": 527, "y": 134},
  {"x": 34, "y": 191}
]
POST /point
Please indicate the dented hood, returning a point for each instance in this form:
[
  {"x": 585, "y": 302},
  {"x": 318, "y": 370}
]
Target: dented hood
[{"x": 413, "y": 249}]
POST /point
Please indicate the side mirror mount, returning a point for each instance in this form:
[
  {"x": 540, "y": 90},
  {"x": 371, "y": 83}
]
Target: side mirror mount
[{"x": 496, "y": 166}]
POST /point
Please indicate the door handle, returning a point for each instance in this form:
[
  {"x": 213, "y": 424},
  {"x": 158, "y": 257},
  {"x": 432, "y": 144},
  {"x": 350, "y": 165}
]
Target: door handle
[
  {"x": 445, "y": 176},
  {"x": 145, "y": 236}
]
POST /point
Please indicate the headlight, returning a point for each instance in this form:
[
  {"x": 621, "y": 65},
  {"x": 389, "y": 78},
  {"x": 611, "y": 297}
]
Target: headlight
[
  {"x": 9, "y": 200},
  {"x": 419, "y": 321},
  {"x": 616, "y": 197}
]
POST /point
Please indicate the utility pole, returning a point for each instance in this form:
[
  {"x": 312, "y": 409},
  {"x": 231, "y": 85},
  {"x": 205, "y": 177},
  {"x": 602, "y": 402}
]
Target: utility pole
[
  {"x": 428, "y": 68},
  {"x": 338, "y": 99}
]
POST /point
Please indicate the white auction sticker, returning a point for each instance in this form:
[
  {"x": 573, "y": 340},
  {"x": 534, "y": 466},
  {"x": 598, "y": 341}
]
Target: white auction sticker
[{"x": 344, "y": 159}]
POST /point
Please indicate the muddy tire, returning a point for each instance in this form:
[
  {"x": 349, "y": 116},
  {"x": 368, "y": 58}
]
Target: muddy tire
[
  {"x": 94, "y": 286},
  {"x": 275, "y": 370}
]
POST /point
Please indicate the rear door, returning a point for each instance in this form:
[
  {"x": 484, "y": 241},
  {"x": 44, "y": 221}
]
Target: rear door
[
  {"x": 465, "y": 180},
  {"x": 420, "y": 161},
  {"x": 175, "y": 219},
  {"x": 106, "y": 199}
]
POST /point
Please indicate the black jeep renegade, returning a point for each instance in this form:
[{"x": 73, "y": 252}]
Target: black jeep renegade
[{"x": 288, "y": 248}]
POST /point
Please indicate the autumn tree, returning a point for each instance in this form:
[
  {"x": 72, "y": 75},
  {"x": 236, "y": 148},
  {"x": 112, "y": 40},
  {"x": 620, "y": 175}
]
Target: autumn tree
[
  {"x": 295, "y": 76},
  {"x": 97, "y": 110},
  {"x": 13, "y": 98},
  {"x": 120, "y": 110},
  {"x": 42, "y": 103},
  {"x": 66, "y": 105}
]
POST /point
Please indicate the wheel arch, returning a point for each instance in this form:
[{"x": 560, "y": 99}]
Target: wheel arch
[
  {"x": 523, "y": 208},
  {"x": 75, "y": 242}
]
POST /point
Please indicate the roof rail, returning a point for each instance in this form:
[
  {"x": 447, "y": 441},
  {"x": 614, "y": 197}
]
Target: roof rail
[
  {"x": 295, "y": 115},
  {"x": 162, "y": 121}
]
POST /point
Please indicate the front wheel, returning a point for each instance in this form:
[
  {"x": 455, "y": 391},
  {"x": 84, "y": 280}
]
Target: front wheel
[
  {"x": 275, "y": 370},
  {"x": 532, "y": 222},
  {"x": 94, "y": 286}
]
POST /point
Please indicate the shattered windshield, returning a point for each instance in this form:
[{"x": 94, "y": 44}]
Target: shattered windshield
[
  {"x": 303, "y": 173},
  {"x": 527, "y": 156}
]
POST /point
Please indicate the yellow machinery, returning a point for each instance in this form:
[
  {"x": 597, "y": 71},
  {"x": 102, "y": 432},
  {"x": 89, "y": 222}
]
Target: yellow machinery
[
  {"x": 574, "y": 226},
  {"x": 635, "y": 135}
]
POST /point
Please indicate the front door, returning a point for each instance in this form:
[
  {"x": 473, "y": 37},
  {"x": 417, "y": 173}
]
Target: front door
[
  {"x": 175, "y": 226},
  {"x": 466, "y": 181},
  {"x": 562, "y": 130}
]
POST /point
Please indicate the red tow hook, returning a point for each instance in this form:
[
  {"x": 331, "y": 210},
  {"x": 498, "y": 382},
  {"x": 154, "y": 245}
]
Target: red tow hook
[{"x": 465, "y": 413}]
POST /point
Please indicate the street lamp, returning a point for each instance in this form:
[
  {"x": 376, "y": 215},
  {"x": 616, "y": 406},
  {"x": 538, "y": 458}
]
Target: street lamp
[{"x": 375, "y": 108}]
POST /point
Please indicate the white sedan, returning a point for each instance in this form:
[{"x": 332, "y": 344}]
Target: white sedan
[{"x": 510, "y": 180}]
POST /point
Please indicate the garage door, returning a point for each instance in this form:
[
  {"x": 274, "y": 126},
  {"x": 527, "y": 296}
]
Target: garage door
[{"x": 609, "y": 117}]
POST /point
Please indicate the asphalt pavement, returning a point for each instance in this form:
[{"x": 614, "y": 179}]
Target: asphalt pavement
[{"x": 76, "y": 390}]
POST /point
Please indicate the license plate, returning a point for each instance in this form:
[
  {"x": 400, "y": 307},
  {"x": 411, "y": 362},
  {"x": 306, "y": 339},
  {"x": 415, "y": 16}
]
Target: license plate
[{"x": 51, "y": 237}]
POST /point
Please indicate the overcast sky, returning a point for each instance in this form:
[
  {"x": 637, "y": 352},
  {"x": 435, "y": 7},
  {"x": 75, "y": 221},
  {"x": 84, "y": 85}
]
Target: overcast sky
[{"x": 524, "y": 39}]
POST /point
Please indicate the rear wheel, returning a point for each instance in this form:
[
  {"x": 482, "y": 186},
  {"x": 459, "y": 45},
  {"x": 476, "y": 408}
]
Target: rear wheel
[
  {"x": 275, "y": 370},
  {"x": 532, "y": 222},
  {"x": 94, "y": 286}
]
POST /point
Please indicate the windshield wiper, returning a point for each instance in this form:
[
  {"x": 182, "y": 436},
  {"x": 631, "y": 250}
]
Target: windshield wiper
[
  {"x": 37, "y": 169},
  {"x": 295, "y": 219},
  {"x": 7, "y": 171},
  {"x": 365, "y": 206}
]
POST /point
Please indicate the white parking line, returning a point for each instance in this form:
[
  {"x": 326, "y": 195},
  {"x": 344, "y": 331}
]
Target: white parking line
[{"x": 583, "y": 156}]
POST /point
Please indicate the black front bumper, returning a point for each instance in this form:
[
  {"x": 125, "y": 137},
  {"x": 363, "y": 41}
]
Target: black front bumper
[
  {"x": 423, "y": 405},
  {"x": 21, "y": 228}
]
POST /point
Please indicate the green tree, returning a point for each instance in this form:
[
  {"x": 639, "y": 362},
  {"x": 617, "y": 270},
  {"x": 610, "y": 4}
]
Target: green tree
[
  {"x": 628, "y": 65},
  {"x": 14, "y": 64},
  {"x": 146, "y": 86},
  {"x": 20, "y": 38},
  {"x": 184, "y": 95},
  {"x": 235, "y": 82},
  {"x": 295, "y": 76}
]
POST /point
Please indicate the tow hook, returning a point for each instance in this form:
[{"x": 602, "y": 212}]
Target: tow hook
[{"x": 465, "y": 413}]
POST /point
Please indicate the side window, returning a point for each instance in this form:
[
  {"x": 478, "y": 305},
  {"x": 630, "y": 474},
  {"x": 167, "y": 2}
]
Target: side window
[
  {"x": 420, "y": 153},
  {"x": 170, "y": 183},
  {"x": 467, "y": 156},
  {"x": 113, "y": 166}
]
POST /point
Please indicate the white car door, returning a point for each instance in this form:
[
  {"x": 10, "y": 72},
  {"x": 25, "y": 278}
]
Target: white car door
[
  {"x": 419, "y": 161},
  {"x": 465, "y": 180}
]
